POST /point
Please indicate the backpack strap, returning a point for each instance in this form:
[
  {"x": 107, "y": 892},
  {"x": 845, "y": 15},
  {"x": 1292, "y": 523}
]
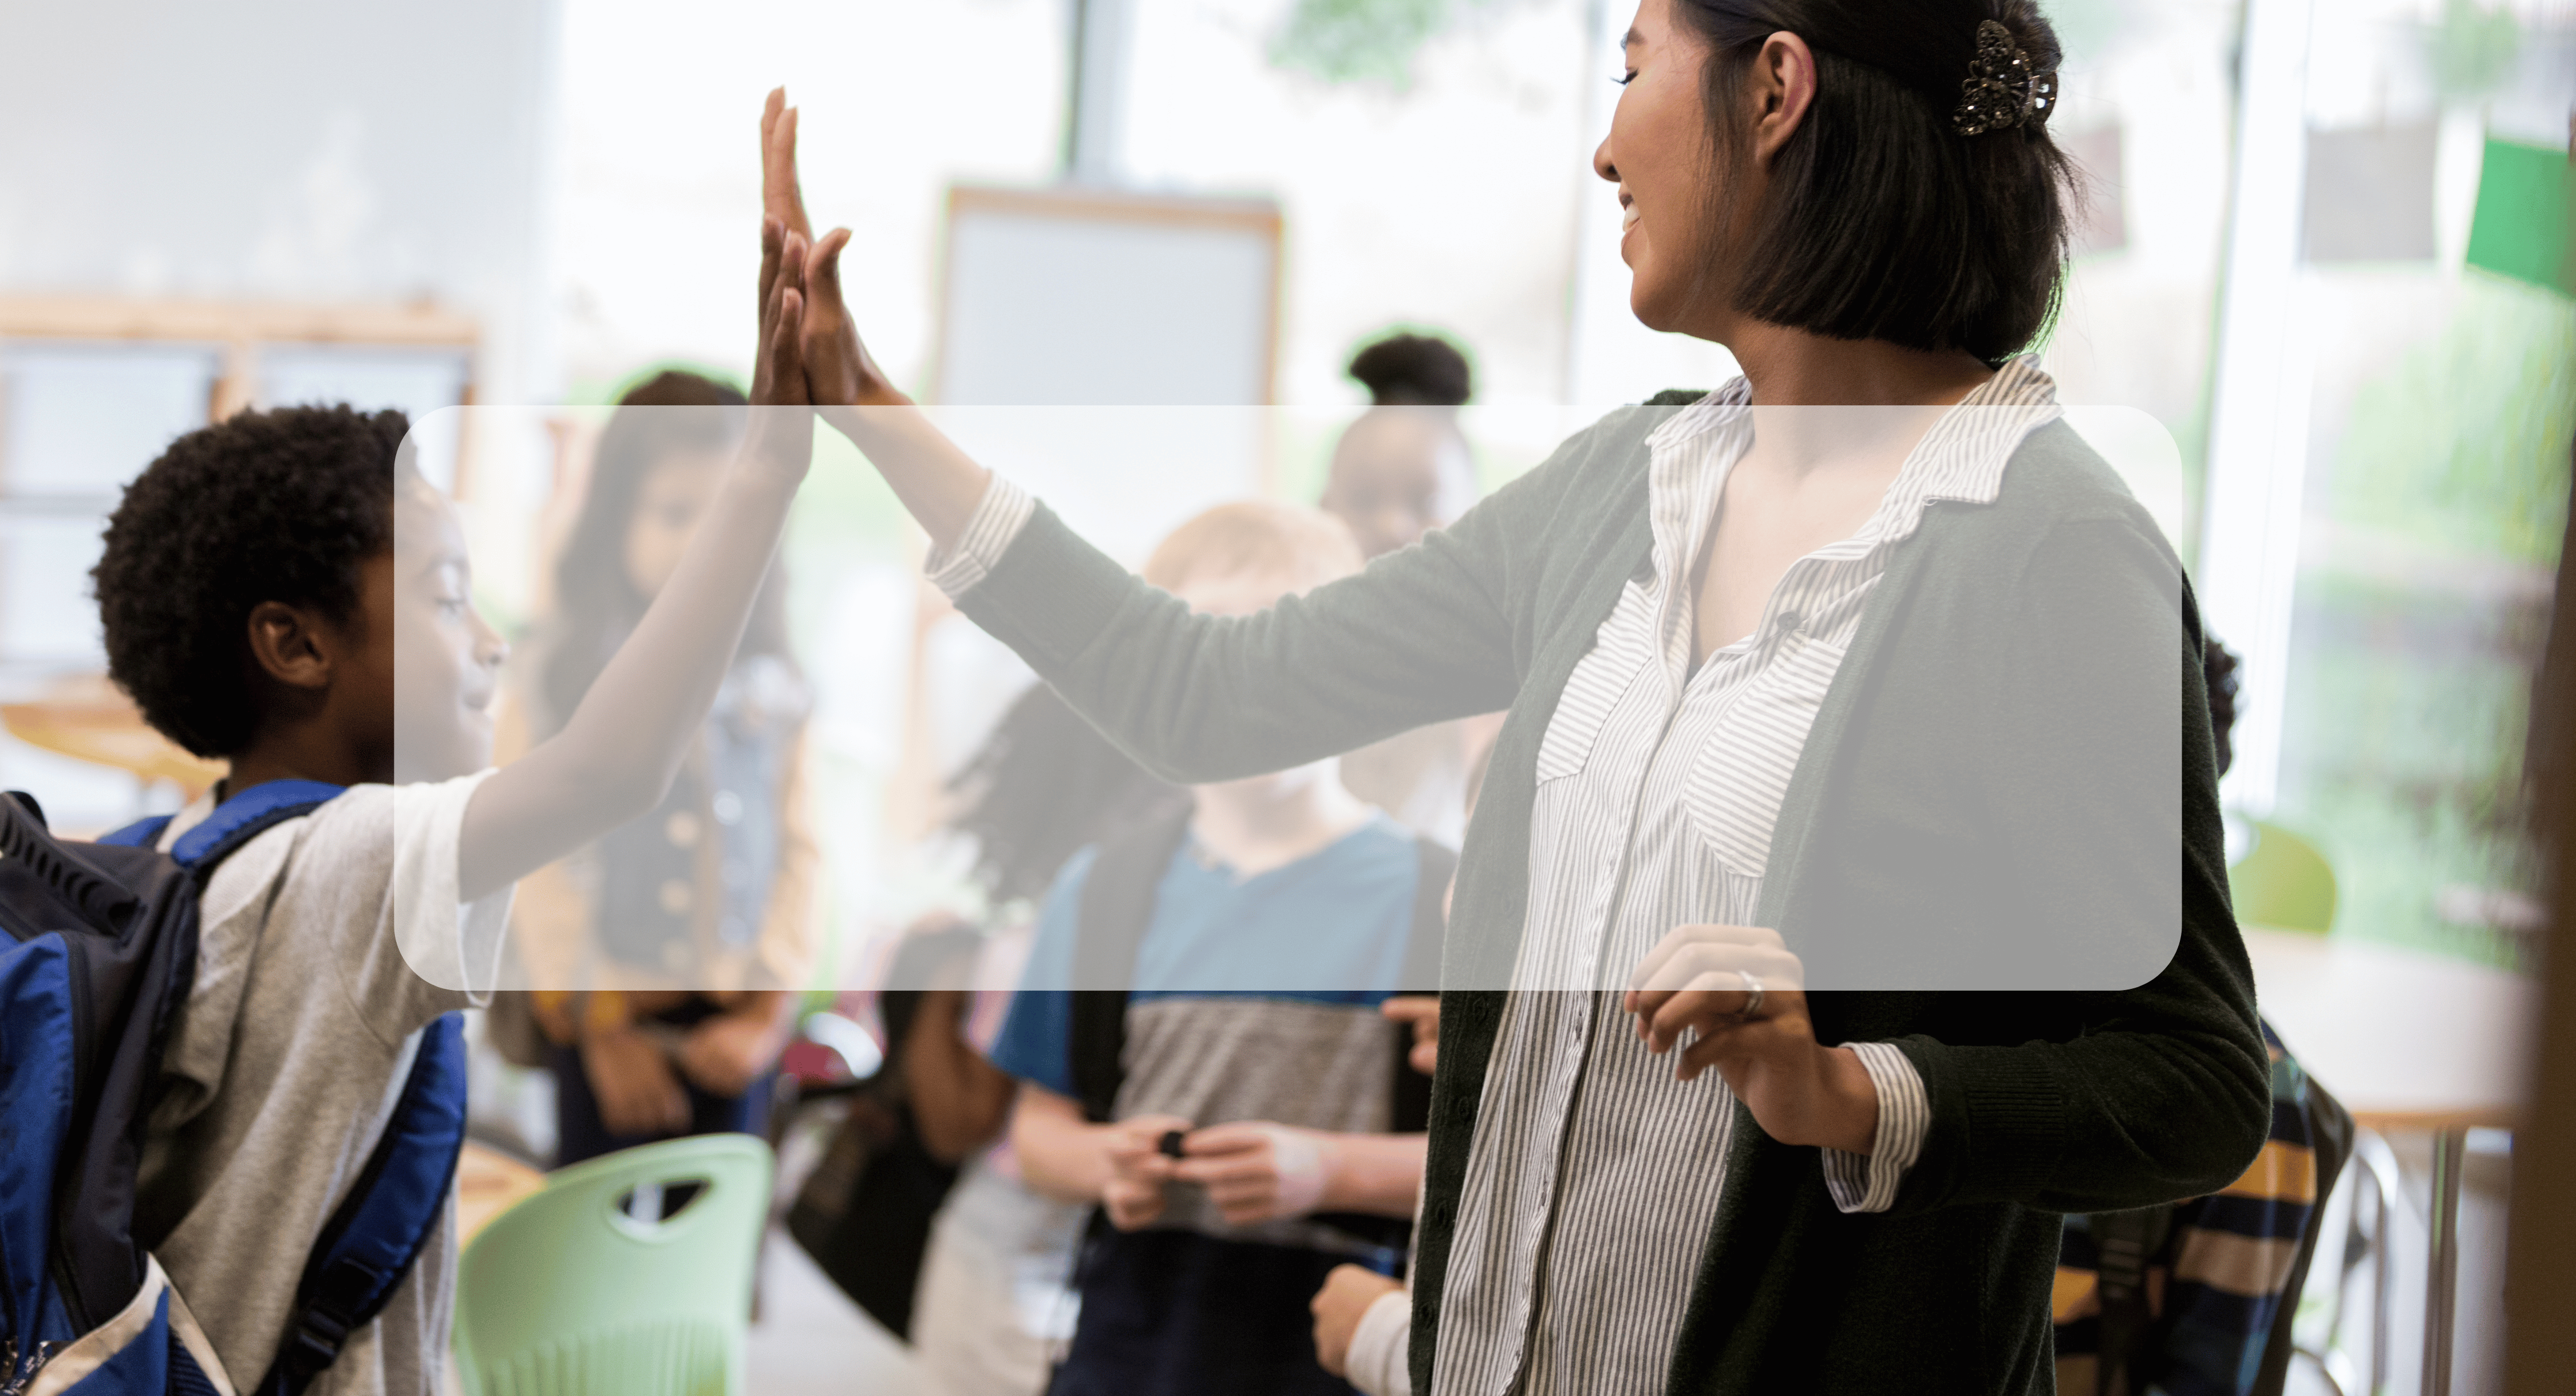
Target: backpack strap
[
  {"x": 1117, "y": 907},
  {"x": 245, "y": 816},
  {"x": 2127, "y": 1244},
  {"x": 378, "y": 1231},
  {"x": 1435, "y": 863},
  {"x": 142, "y": 833}
]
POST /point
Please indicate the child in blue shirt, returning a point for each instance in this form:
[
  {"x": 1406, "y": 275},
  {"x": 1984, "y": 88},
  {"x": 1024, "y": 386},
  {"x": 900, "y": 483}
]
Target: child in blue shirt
[{"x": 1256, "y": 1091}]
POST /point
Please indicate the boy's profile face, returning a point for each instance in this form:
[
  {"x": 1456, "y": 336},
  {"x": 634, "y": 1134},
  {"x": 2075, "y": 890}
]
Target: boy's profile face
[{"x": 446, "y": 659}]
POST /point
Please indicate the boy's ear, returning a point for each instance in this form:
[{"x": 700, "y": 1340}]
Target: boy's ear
[{"x": 291, "y": 645}]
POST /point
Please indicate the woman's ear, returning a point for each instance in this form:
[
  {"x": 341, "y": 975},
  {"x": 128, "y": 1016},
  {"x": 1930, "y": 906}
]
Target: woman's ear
[
  {"x": 292, "y": 645},
  {"x": 1781, "y": 89}
]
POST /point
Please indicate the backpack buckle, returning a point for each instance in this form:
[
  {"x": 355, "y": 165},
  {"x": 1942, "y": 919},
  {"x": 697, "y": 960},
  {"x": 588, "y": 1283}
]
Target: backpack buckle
[{"x": 315, "y": 1343}]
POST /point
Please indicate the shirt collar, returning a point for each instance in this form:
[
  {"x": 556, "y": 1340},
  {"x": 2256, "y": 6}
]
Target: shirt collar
[{"x": 1961, "y": 457}]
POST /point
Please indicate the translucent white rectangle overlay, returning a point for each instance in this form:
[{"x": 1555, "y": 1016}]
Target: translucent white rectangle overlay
[{"x": 1954, "y": 752}]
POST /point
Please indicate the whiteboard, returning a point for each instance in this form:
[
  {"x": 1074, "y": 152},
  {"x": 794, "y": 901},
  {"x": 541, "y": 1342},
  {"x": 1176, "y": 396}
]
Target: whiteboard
[{"x": 1094, "y": 297}]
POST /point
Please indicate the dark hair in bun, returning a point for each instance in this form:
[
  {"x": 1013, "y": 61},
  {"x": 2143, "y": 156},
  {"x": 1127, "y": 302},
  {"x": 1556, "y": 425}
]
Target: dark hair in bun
[
  {"x": 1413, "y": 370},
  {"x": 1884, "y": 219}
]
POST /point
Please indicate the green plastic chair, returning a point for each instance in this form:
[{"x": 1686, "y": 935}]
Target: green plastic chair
[
  {"x": 2284, "y": 882},
  {"x": 566, "y": 1294}
]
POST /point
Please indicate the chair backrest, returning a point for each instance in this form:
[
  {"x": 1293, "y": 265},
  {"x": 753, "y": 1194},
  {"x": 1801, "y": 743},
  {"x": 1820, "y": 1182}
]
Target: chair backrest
[
  {"x": 567, "y": 1294},
  {"x": 2283, "y": 881}
]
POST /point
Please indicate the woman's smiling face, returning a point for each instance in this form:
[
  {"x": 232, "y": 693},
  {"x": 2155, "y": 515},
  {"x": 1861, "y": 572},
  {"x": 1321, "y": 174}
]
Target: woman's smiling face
[{"x": 1658, "y": 153}]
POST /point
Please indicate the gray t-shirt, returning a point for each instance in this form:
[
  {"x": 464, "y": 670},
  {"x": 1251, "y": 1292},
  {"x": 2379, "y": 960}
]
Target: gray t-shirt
[{"x": 286, "y": 1058}]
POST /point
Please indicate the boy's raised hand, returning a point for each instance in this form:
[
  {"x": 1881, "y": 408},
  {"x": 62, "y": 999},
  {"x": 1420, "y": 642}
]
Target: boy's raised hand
[{"x": 778, "y": 372}]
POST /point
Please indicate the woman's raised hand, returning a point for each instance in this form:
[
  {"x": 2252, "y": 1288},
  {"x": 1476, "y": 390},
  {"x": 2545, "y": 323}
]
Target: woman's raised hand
[
  {"x": 839, "y": 370},
  {"x": 1702, "y": 979},
  {"x": 937, "y": 483}
]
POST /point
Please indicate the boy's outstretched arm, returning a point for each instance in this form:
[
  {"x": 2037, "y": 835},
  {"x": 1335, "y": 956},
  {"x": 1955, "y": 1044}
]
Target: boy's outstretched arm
[{"x": 617, "y": 754}]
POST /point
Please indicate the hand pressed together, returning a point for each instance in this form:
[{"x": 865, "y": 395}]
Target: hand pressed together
[
  {"x": 1255, "y": 1171},
  {"x": 1138, "y": 1169},
  {"x": 839, "y": 370}
]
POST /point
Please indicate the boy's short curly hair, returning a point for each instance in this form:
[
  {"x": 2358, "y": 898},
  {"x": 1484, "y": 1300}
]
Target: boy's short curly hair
[{"x": 283, "y": 505}]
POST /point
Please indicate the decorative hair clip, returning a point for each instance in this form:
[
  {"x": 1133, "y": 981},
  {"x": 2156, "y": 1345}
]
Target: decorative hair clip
[{"x": 2003, "y": 88}]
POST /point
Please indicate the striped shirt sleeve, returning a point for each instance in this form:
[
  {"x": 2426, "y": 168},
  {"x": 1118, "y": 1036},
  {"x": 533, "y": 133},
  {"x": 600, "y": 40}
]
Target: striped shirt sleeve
[
  {"x": 1868, "y": 1182},
  {"x": 998, "y": 518},
  {"x": 1377, "y": 1364}
]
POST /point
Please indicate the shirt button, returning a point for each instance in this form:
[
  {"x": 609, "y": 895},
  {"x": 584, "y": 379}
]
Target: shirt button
[{"x": 1790, "y": 621}]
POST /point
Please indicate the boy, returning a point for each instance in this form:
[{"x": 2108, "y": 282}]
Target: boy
[
  {"x": 1257, "y": 1088},
  {"x": 282, "y": 590}
]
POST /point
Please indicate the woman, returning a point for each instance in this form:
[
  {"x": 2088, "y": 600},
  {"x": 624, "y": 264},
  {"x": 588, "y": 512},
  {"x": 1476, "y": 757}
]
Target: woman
[
  {"x": 1775, "y": 711},
  {"x": 666, "y": 955}
]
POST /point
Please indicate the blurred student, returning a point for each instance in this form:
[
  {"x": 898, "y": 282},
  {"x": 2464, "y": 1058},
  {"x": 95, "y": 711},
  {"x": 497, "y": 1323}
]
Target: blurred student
[
  {"x": 665, "y": 956},
  {"x": 284, "y": 591},
  {"x": 2186, "y": 1298},
  {"x": 1401, "y": 470},
  {"x": 996, "y": 1302},
  {"x": 1253, "y": 1086}
]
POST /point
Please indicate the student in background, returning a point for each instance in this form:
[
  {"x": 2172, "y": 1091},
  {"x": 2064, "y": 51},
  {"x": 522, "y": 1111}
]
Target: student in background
[
  {"x": 1281, "y": 1097},
  {"x": 996, "y": 1302},
  {"x": 2210, "y": 1273},
  {"x": 665, "y": 956},
  {"x": 282, "y": 590},
  {"x": 1401, "y": 470}
]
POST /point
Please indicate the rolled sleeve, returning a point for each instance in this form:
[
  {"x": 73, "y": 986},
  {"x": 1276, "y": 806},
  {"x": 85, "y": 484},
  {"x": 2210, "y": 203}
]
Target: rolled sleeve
[
  {"x": 998, "y": 518},
  {"x": 1868, "y": 1182},
  {"x": 1379, "y": 1346}
]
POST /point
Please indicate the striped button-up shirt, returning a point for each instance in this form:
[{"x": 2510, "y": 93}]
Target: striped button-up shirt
[{"x": 1594, "y": 1179}]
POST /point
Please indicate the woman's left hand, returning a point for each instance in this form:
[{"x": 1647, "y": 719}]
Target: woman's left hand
[
  {"x": 1339, "y": 1306},
  {"x": 1701, "y": 980}
]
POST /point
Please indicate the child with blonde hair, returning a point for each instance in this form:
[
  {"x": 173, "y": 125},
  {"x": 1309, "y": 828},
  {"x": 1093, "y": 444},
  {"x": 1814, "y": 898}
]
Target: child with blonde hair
[{"x": 1224, "y": 1086}]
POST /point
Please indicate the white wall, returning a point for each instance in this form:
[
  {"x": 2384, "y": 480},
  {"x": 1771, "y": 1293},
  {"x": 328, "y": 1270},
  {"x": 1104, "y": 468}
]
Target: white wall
[{"x": 294, "y": 150}]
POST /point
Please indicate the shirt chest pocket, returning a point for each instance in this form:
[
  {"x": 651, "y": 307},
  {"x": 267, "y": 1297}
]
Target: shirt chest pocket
[
  {"x": 1741, "y": 771},
  {"x": 1621, "y": 651}
]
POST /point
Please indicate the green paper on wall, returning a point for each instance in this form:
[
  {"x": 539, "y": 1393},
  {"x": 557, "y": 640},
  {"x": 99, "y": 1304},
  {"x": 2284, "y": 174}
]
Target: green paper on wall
[{"x": 2521, "y": 225}]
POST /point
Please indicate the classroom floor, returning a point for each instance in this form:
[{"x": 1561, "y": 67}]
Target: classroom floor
[{"x": 812, "y": 1341}]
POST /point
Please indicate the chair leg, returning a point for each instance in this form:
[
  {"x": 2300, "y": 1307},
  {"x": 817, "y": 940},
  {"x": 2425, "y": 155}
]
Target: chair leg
[
  {"x": 2378, "y": 1163},
  {"x": 782, "y": 1113}
]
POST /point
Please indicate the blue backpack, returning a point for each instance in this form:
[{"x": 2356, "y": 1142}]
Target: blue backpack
[{"x": 98, "y": 946}]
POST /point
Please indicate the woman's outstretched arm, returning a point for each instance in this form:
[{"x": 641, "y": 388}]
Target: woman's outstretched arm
[{"x": 1422, "y": 636}]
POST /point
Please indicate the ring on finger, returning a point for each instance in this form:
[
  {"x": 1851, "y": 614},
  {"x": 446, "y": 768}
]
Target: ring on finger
[{"x": 1752, "y": 997}]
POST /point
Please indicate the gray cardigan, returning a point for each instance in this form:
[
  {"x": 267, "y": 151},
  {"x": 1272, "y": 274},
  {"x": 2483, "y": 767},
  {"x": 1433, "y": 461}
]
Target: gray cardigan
[{"x": 2042, "y": 1103}]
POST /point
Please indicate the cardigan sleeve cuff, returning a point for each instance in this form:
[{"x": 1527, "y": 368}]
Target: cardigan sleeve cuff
[
  {"x": 1868, "y": 1182},
  {"x": 998, "y": 518},
  {"x": 1378, "y": 1358}
]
